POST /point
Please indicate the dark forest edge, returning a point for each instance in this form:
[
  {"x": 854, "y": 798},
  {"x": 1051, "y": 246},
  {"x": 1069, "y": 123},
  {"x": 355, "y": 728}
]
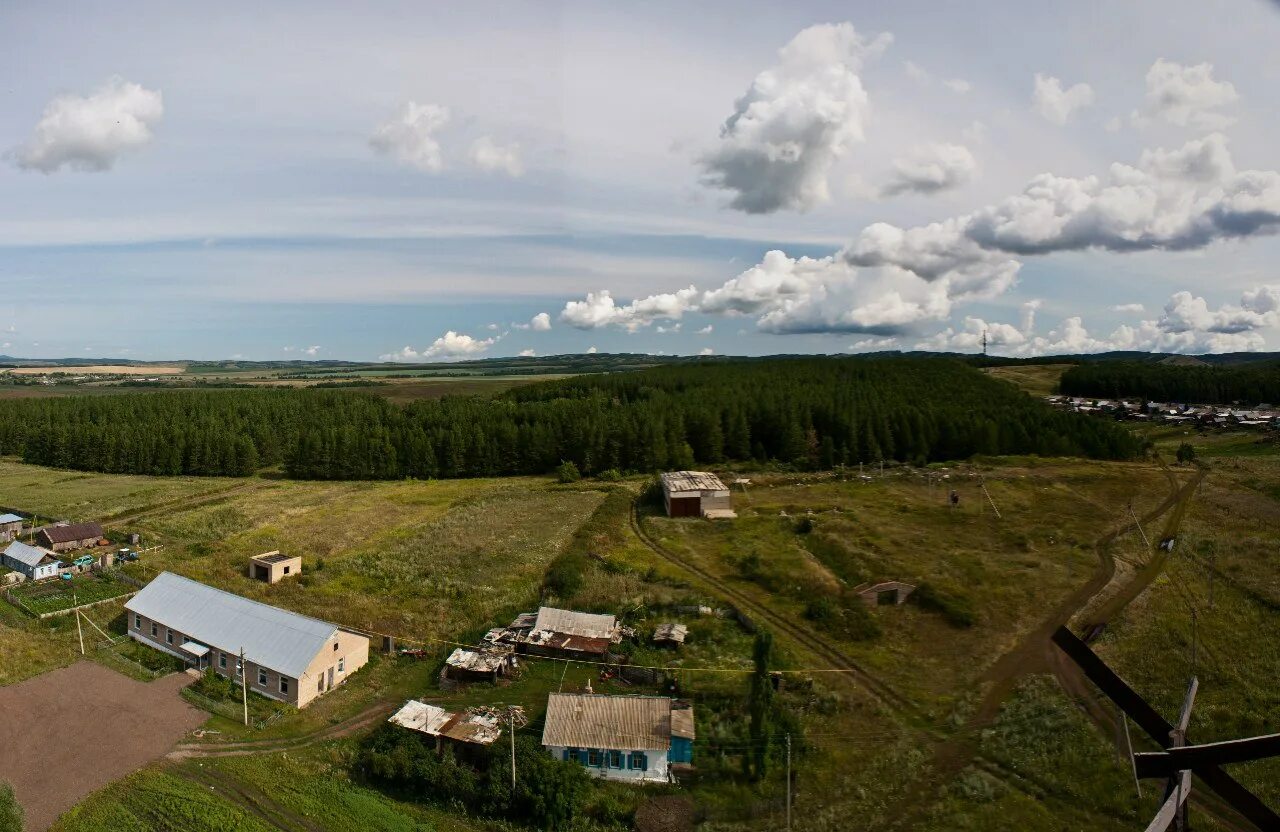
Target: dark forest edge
[
  {"x": 808, "y": 413},
  {"x": 1247, "y": 385}
]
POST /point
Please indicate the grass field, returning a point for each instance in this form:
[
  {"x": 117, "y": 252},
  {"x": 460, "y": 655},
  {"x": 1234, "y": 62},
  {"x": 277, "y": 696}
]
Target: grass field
[{"x": 1036, "y": 379}]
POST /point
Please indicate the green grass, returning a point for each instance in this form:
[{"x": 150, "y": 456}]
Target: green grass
[{"x": 56, "y": 595}]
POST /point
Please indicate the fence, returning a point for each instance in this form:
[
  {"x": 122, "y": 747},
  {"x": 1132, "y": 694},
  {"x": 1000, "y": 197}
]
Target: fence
[{"x": 230, "y": 710}]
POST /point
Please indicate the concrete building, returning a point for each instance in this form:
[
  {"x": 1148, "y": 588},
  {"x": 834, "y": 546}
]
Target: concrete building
[
  {"x": 64, "y": 537},
  {"x": 695, "y": 494},
  {"x": 32, "y": 561},
  {"x": 630, "y": 738},
  {"x": 10, "y": 527},
  {"x": 288, "y": 656},
  {"x": 271, "y": 567}
]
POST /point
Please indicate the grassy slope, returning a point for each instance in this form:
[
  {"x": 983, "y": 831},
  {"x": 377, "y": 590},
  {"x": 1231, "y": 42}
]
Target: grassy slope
[{"x": 1036, "y": 379}]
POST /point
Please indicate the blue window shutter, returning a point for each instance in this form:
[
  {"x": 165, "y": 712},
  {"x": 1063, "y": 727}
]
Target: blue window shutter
[
  {"x": 566, "y": 755},
  {"x": 644, "y": 762}
]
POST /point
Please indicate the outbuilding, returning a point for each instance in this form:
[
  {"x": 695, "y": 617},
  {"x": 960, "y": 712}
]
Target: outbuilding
[
  {"x": 271, "y": 567},
  {"x": 32, "y": 561},
  {"x": 630, "y": 738},
  {"x": 287, "y": 656},
  {"x": 10, "y": 527},
  {"x": 695, "y": 494},
  {"x": 468, "y": 732},
  {"x": 479, "y": 665},
  {"x": 569, "y": 634},
  {"x": 63, "y": 537},
  {"x": 885, "y": 593}
]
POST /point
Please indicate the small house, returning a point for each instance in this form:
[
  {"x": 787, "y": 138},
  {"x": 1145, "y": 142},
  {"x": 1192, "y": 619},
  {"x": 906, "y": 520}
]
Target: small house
[
  {"x": 271, "y": 567},
  {"x": 695, "y": 494},
  {"x": 480, "y": 665},
  {"x": 32, "y": 561},
  {"x": 567, "y": 634},
  {"x": 287, "y": 656},
  {"x": 63, "y": 537},
  {"x": 629, "y": 738},
  {"x": 10, "y": 527},
  {"x": 885, "y": 593},
  {"x": 467, "y": 732},
  {"x": 670, "y": 634}
]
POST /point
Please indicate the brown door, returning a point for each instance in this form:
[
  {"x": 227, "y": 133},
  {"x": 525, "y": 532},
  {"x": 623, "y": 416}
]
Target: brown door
[{"x": 330, "y": 677}]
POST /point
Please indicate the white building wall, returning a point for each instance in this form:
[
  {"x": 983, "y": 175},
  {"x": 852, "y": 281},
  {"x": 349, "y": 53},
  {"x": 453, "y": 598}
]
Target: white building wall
[{"x": 659, "y": 769}]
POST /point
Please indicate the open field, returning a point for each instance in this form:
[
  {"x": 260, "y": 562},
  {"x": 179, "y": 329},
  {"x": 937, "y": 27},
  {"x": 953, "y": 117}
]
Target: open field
[
  {"x": 1036, "y": 379},
  {"x": 102, "y": 369}
]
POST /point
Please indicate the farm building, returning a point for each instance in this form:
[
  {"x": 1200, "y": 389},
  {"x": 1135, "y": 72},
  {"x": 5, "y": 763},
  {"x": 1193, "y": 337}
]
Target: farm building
[
  {"x": 695, "y": 494},
  {"x": 633, "y": 738},
  {"x": 469, "y": 731},
  {"x": 885, "y": 593},
  {"x": 64, "y": 537},
  {"x": 271, "y": 567},
  {"x": 481, "y": 665},
  {"x": 10, "y": 527},
  {"x": 569, "y": 634},
  {"x": 288, "y": 656},
  {"x": 32, "y": 561},
  {"x": 670, "y": 634}
]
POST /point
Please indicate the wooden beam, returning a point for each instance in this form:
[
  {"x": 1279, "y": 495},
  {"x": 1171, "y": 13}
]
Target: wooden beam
[
  {"x": 1196, "y": 757},
  {"x": 1169, "y": 810}
]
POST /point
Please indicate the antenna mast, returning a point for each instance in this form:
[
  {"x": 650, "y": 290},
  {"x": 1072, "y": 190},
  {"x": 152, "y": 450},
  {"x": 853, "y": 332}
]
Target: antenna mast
[{"x": 984, "y": 341}]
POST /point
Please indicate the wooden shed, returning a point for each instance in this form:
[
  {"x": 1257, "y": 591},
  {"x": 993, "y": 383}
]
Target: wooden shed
[
  {"x": 10, "y": 527},
  {"x": 885, "y": 593},
  {"x": 271, "y": 567},
  {"x": 63, "y": 537},
  {"x": 695, "y": 494}
]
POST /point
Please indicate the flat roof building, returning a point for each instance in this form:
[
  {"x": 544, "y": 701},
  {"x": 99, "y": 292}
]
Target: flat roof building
[
  {"x": 271, "y": 567},
  {"x": 695, "y": 494},
  {"x": 287, "y": 656}
]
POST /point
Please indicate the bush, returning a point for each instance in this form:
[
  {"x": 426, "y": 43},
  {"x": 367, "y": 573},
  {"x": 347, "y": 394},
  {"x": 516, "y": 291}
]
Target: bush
[
  {"x": 1186, "y": 453},
  {"x": 955, "y": 609},
  {"x": 567, "y": 471},
  {"x": 565, "y": 575},
  {"x": 609, "y": 475},
  {"x": 10, "y": 811},
  {"x": 848, "y": 618}
]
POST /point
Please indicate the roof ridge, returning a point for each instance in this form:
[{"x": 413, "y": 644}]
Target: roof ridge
[{"x": 246, "y": 598}]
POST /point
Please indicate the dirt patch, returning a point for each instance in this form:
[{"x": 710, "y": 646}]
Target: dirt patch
[{"x": 72, "y": 731}]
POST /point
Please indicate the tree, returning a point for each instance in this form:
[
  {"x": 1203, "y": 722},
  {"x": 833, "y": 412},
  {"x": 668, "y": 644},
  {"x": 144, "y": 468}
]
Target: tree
[
  {"x": 11, "y": 817},
  {"x": 568, "y": 472},
  {"x": 761, "y": 703},
  {"x": 1186, "y": 453}
]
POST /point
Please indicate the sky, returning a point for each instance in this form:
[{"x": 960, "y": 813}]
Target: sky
[{"x": 413, "y": 182}]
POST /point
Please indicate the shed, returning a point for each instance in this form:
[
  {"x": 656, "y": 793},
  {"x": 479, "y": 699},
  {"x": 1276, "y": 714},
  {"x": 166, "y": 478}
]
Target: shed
[
  {"x": 32, "y": 561},
  {"x": 670, "y": 634},
  {"x": 470, "y": 730},
  {"x": 63, "y": 537},
  {"x": 885, "y": 593},
  {"x": 480, "y": 665},
  {"x": 10, "y": 527},
  {"x": 570, "y": 634},
  {"x": 695, "y": 494},
  {"x": 271, "y": 567}
]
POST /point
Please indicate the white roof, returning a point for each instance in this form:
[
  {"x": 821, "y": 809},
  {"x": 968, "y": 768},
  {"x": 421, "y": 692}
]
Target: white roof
[
  {"x": 278, "y": 639},
  {"x": 585, "y": 624},
  {"x": 10, "y": 518},
  {"x": 682, "y": 481},
  {"x": 29, "y": 555}
]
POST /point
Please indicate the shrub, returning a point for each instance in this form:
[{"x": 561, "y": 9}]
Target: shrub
[
  {"x": 565, "y": 575},
  {"x": 567, "y": 471},
  {"x": 956, "y": 610},
  {"x": 1186, "y": 453},
  {"x": 609, "y": 475},
  {"x": 10, "y": 811}
]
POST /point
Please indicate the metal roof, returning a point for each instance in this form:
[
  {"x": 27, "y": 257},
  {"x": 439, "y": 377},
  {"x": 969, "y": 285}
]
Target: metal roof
[
  {"x": 10, "y": 518},
  {"x": 72, "y": 532},
  {"x": 682, "y": 722},
  {"x": 588, "y": 720},
  {"x": 283, "y": 641},
  {"x": 476, "y": 725},
  {"x": 29, "y": 555},
  {"x": 683, "y": 481},
  {"x": 573, "y": 623}
]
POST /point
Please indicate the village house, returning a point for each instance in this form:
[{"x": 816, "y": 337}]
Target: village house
[
  {"x": 629, "y": 738},
  {"x": 63, "y": 537},
  {"x": 466, "y": 733},
  {"x": 10, "y": 527},
  {"x": 695, "y": 494},
  {"x": 271, "y": 567},
  {"x": 566, "y": 634},
  {"x": 32, "y": 561},
  {"x": 287, "y": 656}
]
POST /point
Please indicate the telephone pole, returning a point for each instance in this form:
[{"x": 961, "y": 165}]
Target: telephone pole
[
  {"x": 788, "y": 783},
  {"x": 244, "y": 686},
  {"x": 511, "y": 729},
  {"x": 79, "y": 631}
]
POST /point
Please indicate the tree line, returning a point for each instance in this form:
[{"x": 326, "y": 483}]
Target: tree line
[
  {"x": 807, "y": 412},
  {"x": 1247, "y": 385}
]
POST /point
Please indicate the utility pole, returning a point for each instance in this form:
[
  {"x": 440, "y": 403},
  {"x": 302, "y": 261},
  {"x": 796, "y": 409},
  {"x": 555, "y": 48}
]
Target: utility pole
[
  {"x": 984, "y": 342},
  {"x": 79, "y": 630},
  {"x": 244, "y": 686},
  {"x": 511, "y": 729},
  {"x": 788, "y": 783}
]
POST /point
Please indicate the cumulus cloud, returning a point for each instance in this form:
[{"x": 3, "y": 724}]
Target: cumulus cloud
[
  {"x": 706, "y": 351},
  {"x": 1129, "y": 307},
  {"x": 599, "y": 309},
  {"x": 491, "y": 157},
  {"x": 1055, "y": 103},
  {"x": 934, "y": 168},
  {"x": 89, "y": 133},
  {"x": 409, "y": 136},
  {"x": 1188, "y": 96},
  {"x": 449, "y": 345},
  {"x": 706, "y": 330},
  {"x": 794, "y": 122},
  {"x": 526, "y": 354},
  {"x": 312, "y": 351},
  {"x": 540, "y": 322},
  {"x": 592, "y": 350}
]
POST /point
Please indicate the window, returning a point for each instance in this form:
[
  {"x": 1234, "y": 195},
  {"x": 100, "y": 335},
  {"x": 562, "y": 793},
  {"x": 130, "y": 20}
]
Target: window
[
  {"x": 286, "y": 570},
  {"x": 155, "y": 631},
  {"x": 137, "y": 621},
  {"x": 168, "y": 635},
  {"x": 335, "y": 646},
  {"x": 284, "y": 685},
  {"x": 615, "y": 759},
  {"x": 638, "y": 761},
  {"x": 320, "y": 684},
  {"x": 571, "y": 754},
  {"x": 594, "y": 757},
  {"x": 262, "y": 678},
  {"x": 342, "y": 665}
]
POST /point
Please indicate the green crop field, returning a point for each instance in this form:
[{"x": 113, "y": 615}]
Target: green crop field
[{"x": 56, "y": 595}]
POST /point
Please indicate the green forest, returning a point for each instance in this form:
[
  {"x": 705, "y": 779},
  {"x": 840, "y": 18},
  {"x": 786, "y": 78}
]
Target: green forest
[
  {"x": 1247, "y": 385},
  {"x": 811, "y": 413}
]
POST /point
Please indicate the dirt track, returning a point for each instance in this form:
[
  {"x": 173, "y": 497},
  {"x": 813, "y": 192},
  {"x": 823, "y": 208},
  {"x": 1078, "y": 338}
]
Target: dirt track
[{"x": 72, "y": 731}]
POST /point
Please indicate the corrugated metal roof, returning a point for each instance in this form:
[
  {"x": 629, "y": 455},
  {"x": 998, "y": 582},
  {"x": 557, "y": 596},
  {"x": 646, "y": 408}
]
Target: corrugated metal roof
[
  {"x": 10, "y": 518},
  {"x": 472, "y": 726},
  {"x": 274, "y": 638},
  {"x": 30, "y": 555},
  {"x": 683, "y": 481},
  {"x": 622, "y": 723},
  {"x": 576, "y": 623},
  {"x": 682, "y": 722},
  {"x": 72, "y": 531}
]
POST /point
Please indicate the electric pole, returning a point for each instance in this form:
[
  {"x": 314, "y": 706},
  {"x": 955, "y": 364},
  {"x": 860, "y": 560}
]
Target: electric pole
[
  {"x": 244, "y": 686},
  {"x": 79, "y": 631},
  {"x": 511, "y": 729},
  {"x": 788, "y": 783}
]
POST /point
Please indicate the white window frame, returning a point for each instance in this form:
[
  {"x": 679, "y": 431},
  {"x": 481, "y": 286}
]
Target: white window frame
[
  {"x": 284, "y": 685},
  {"x": 342, "y": 665},
  {"x": 222, "y": 661},
  {"x": 168, "y": 635},
  {"x": 137, "y": 622}
]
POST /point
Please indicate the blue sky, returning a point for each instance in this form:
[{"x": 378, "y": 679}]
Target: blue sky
[{"x": 421, "y": 182}]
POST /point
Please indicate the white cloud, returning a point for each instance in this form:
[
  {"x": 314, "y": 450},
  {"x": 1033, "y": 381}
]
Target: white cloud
[
  {"x": 599, "y": 309},
  {"x": 409, "y": 136},
  {"x": 706, "y": 330},
  {"x": 795, "y": 121},
  {"x": 1188, "y": 96},
  {"x": 673, "y": 329},
  {"x": 449, "y": 345},
  {"x": 958, "y": 85},
  {"x": 89, "y": 133},
  {"x": 592, "y": 350},
  {"x": 312, "y": 351},
  {"x": 540, "y": 322},
  {"x": 1129, "y": 307},
  {"x": 1056, "y": 104},
  {"x": 934, "y": 168},
  {"x": 491, "y": 157},
  {"x": 871, "y": 344},
  {"x": 527, "y": 353},
  {"x": 706, "y": 351}
]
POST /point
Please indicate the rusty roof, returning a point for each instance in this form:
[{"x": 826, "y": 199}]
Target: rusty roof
[
  {"x": 682, "y": 481},
  {"x": 473, "y": 726},
  {"x": 671, "y": 631},
  {"x": 573, "y": 623},
  {"x": 72, "y": 532},
  {"x": 682, "y": 720},
  {"x": 587, "y": 720}
]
